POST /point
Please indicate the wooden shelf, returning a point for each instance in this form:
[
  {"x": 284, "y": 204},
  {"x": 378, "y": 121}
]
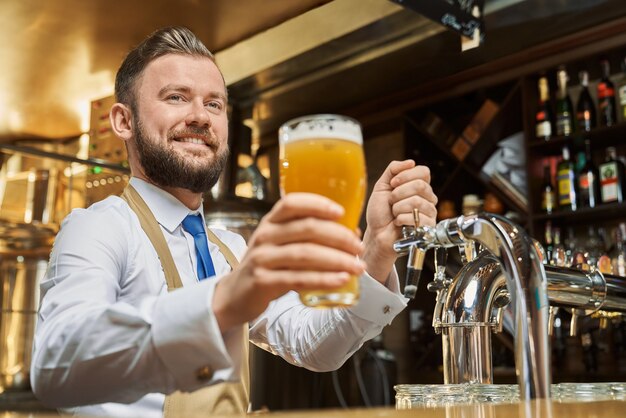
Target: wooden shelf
[
  {"x": 605, "y": 212},
  {"x": 600, "y": 138},
  {"x": 451, "y": 177}
]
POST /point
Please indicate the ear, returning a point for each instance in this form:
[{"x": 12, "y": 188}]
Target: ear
[{"x": 121, "y": 121}]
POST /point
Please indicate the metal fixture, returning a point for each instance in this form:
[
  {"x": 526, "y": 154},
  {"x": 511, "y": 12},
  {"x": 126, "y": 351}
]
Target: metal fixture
[{"x": 507, "y": 273}]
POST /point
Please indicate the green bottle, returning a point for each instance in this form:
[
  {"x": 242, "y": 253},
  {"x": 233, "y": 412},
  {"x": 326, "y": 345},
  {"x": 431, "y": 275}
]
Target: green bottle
[{"x": 566, "y": 182}]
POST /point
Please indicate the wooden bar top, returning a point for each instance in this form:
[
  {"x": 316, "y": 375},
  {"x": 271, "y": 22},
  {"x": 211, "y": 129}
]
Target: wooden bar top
[{"x": 532, "y": 409}]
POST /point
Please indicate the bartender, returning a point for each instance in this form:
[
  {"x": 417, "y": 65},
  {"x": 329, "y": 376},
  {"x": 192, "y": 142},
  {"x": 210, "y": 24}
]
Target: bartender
[{"x": 143, "y": 315}]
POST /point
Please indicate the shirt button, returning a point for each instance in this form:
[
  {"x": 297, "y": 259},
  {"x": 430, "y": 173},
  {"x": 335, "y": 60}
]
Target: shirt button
[
  {"x": 204, "y": 373},
  {"x": 386, "y": 309}
]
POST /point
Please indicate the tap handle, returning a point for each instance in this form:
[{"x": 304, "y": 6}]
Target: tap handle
[
  {"x": 573, "y": 326},
  {"x": 552, "y": 312},
  {"x": 415, "y": 263},
  {"x": 414, "y": 268}
]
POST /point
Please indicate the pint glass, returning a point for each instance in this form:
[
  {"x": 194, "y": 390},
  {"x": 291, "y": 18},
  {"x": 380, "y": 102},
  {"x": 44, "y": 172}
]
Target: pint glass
[{"x": 323, "y": 154}]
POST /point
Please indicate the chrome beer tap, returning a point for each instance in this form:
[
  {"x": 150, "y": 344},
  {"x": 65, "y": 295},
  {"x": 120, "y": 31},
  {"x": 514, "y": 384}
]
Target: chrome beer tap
[
  {"x": 525, "y": 279},
  {"x": 439, "y": 286},
  {"x": 507, "y": 279}
]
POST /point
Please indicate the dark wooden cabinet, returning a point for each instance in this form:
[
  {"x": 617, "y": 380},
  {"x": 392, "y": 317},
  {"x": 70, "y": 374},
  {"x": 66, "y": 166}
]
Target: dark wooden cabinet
[
  {"x": 432, "y": 129},
  {"x": 454, "y": 174}
]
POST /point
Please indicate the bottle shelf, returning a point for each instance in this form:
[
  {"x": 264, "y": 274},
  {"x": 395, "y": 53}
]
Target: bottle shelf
[
  {"x": 600, "y": 138},
  {"x": 602, "y": 213}
]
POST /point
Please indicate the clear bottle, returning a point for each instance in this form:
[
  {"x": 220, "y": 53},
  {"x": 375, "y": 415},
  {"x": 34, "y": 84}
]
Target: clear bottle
[
  {"x": 471, "y": 205},
  {"x": 566, "y": 182},
  {"x": 611, "y": 178},
  {"x": 606, "y": 96},
  {"x": 559, "y": 255},
  {"x": 588, "y": 180},
  {"x": 586, "y": 116},
  {"x": 548, "y": 195},
  {"x": 548, "y": 244},
  {"x": 574, "y": 252},
  {"x": 564, "y": 108},
  {"x": 604, "y": 263},
  {"x": 618, "y": 255},
  {"x": 594, "y": 247},
  {"x": 543, "y": 117}
]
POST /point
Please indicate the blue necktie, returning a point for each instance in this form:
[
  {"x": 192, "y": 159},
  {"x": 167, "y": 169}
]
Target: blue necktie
[{"x": 193, "y": 225}]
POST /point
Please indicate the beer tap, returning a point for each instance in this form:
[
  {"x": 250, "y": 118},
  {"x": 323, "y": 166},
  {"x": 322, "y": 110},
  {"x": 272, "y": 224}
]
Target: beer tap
[
  {"x": 553, "y": 311},
  {"x": 510, "y": 272},
  {"x": 439, "y": 285},
  {"x": 415, "y": 262},
  {"x": 573, "y": 325}
]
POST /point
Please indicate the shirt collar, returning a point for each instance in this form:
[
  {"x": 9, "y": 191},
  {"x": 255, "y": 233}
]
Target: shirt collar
[{"x": 168, "y": 211}]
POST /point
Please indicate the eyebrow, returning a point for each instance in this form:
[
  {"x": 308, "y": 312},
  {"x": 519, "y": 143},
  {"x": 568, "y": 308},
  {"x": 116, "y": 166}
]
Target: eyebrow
[{"x": 185, "y": 89}]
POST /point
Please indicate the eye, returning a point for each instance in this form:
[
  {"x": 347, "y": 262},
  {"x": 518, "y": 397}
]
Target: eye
[
  {"x": 175, "y": 98},
  {"x": 215, "y": 105}
]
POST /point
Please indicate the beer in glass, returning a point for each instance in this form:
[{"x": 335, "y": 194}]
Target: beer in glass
[{"x": 323, "y": 154}]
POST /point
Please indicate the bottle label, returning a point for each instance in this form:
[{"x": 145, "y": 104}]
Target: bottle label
[
  {"x": 622, "y": 95},
  {"x": 583, "y": 181},
  {"x": 605, "y": 91},
  {"x": 563, "y": 124},
  {"x": 604, "y": 264},
  {"x": 565, "y": 186},
  {"x": 544, "y": 129},
  {"x": 608, "y": 182},
  {"x": 548, "y": 202},
  {"x": 619, "y": 267},
  {"x": 584, "y": 120}
]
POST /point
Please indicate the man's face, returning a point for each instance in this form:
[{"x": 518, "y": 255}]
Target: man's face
[{"x": 181, "y": 124}]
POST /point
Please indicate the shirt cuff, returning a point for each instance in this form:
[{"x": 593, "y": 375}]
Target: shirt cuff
[
  {"x": 188, "y": 339},
  {"x": 377, "y": 303}
]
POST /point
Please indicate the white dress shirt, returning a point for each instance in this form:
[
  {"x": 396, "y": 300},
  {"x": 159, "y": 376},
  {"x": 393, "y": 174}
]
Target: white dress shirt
[{"x": 111, "y": 340}]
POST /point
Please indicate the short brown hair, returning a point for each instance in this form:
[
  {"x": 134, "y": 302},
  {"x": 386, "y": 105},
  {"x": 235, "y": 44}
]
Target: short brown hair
[{"x": 171, "y": 40}]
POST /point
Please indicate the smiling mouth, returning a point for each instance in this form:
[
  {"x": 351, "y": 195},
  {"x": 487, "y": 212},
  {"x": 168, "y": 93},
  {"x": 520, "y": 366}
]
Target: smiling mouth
[{"x": 197, "y": 141}]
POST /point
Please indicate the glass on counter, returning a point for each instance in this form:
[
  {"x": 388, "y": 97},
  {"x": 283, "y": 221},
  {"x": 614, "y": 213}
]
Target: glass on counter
[{"x": 416, "y": 396}]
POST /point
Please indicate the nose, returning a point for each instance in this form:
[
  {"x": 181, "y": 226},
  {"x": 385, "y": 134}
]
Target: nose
[{"x": 198, "y": 115}]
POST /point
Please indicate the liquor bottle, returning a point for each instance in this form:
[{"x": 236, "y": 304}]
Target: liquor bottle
[
  {"x": 559, "y": 257},
  {"x": 588, "y": 181},
  {"x": 594, "y": 247},
  {"x": 564, "y": 108},
  {"x": 574, "y": 253},
  {"x": 611, "y": 178},
  {"x": 548, "y": 195},
  {"x": 604, "y": 263},
  {"x": 586, "y": 117},
  {"x": 606, "y": 96},
  {"x": 618, "y": 255},
  {"x": 621, "y": 92},
  {"x": 543, "y": 118},
  {"x": 566, "y": 182},
  {"x": 547, "y": 242}
]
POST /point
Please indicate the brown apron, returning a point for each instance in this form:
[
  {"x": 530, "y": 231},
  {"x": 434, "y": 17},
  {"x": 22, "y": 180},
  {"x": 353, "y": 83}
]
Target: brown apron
[{"x": 223, "y": 398}]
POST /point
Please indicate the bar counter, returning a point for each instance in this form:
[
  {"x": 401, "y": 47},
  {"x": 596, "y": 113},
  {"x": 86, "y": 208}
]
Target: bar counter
[{"x": 532, "y": 409}]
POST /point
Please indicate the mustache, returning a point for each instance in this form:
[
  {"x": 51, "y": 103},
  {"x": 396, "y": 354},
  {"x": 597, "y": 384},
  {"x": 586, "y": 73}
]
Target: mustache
[{"x": 204, "y": 134}]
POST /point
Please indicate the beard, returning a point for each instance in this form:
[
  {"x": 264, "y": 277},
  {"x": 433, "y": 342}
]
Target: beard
[{"x": 166, "y": 167}]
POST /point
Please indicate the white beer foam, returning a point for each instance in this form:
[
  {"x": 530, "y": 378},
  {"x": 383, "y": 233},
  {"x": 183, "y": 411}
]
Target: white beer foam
[{"x": 321, "y": 127}]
